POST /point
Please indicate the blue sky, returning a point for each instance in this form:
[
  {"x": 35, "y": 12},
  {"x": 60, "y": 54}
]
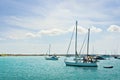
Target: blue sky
[{"x": 29, "y": 26}]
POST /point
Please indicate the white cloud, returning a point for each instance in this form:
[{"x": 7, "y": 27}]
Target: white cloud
[
  {"x": 30, "y": 35},
  {"x": 23, "y": 34},
  {"x": 16, "y": 34},
  {"x": 56, "y": 32},
  {"x": 82, "y": 30},
  {"x": 52, "y": 32},
  {"x": 114, "y": 28},
  {"x": 95, "y": 29}
]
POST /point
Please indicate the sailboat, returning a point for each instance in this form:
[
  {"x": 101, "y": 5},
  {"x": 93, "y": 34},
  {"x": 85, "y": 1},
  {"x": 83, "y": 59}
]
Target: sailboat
[
  {"x": 86, "y": 61},
  {"x": 51, "y": 57}
]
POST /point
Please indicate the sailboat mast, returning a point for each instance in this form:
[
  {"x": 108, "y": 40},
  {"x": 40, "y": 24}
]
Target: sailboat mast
[
  {"x": 49, "y": 48},
  {"x": 88, "y": 41},
  {"x": 76, "y": 41}
]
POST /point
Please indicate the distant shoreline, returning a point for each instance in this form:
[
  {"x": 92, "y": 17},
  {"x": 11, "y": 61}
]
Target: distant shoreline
[
  {"x": 51, "y": 54},
  {"x": 34, "y": 54}
]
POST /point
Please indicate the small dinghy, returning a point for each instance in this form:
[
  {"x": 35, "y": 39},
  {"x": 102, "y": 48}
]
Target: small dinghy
[{"x": 108, "y": 66}]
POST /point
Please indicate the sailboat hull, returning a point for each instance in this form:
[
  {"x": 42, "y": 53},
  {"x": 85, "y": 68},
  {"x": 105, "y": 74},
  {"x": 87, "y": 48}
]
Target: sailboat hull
[
  {"x": 81, "y": 64},
  {"x": 51, "y": 58}
]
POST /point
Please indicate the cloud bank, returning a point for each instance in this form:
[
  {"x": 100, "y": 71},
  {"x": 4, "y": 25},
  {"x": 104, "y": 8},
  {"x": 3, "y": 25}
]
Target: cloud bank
[
  {"x": 21, "y": 33},
  {"x": 57, "y": 32},
  {"x": 114, "y": 28}
]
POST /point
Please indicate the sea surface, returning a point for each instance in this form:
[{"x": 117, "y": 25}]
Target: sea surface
[{"x": 37, "y": 68}]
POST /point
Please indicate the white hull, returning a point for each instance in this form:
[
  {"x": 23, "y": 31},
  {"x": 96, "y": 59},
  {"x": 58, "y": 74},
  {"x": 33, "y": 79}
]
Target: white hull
[
  {"x": 80, "y": 64},
  {"x": 51, "y": 58}
]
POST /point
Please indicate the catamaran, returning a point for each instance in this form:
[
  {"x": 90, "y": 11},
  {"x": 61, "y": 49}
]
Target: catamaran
[
  {"x": 51, "y": 57},
  {"x": 86, "y": 61}
]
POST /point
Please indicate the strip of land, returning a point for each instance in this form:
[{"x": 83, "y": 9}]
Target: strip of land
[
  {"x": 34, "y": 54},
  {"x": 45, "y": 54}
]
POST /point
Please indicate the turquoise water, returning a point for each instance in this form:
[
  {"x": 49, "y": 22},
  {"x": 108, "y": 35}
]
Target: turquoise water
[{"x": 37, "y": 68}]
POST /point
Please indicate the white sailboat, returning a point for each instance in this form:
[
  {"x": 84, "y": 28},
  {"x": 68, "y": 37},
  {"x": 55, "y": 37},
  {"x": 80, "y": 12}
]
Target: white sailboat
[
  {"x": 51, "y": 57},
  {"x": 86, "y": 61}
]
